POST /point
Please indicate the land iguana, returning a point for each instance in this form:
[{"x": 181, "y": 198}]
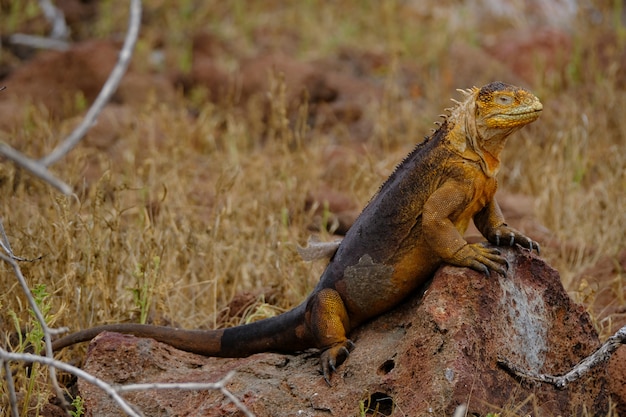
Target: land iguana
[{"x": 412, "y": 225}]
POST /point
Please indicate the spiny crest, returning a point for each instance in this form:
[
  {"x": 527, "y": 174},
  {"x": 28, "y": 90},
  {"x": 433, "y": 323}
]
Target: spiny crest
[
  {"x": 459, "y": 106},
  {"x": 468, "y": 91}
]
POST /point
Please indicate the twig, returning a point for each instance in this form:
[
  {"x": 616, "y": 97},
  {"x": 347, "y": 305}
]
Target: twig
[
  {"x": 107, "y": 90},
  {"x": 34, "y": 168},
  {"x": 600, "y": 356},
  {"x": 47, "y": 331},
  {"x": 58, "y": 35},
  {"x": 39, "y": 42},
  {"x": 39, "y": 168},
  {"x": 219, "y": 385},
  {"x": 11, "y": 387},
  {"x": 56, "y": 18},
  {"x": 4, "y": 241},
  {"x": 6, "y": 245},
  {"x": 53, "y": 363}
]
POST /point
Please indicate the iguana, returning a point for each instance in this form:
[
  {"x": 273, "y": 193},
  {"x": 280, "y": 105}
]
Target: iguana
[{"x": 412, "y": 225}]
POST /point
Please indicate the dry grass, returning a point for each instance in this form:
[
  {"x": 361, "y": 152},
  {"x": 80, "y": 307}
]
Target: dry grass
[{"x": 197, "y": 209}]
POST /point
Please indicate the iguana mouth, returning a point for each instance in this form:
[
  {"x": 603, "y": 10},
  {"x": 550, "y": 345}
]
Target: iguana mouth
[{"x": 520, "y": 114}]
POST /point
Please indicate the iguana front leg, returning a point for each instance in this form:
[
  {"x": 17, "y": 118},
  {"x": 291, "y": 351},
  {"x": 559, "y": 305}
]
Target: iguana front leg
[
  {"x": 443, "y": 236},
  {"x": 491, "y": 224}
]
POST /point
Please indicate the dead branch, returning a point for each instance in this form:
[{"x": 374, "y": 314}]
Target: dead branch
[
  {"x": 58, "y": 35},
  {"x": 56, "y": 18},
  {"x": 55, "y": 364},
  {"x": 107, "y": 90},
  {"x": 219, "y": 385},
  {"x": 39, "y": 168},
  {"x": 47, "y": 331},
  {"x": 35, "y": 168},
  {"x": 39, "y": 42},
  {"x": 600, "y": 356}
]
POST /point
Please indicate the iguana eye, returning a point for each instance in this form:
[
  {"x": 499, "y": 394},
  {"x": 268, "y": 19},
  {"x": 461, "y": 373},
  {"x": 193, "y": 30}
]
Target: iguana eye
[{"x": 504, "y": 100}]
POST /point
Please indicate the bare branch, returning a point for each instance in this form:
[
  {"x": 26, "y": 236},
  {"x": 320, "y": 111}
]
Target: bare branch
[
  {"x": 4, "y": 240},
  {"x": 39, "y": 168},
  {"x": 107, "y": 90},
  {"x": 52, "y": 364},
  {"x": 219, "y": 385},
  {"x": 56, "y": 18},
  {"x": 58, "y": 35},
  {"x": 11, "y": 387},
  {"x": 600, "y": 356},
  {"x": 47, "y": 331},
  {"x": 34, "y": 168},
  {"x": 39, "y": 42},
  {"x": 6, "y": 245}
]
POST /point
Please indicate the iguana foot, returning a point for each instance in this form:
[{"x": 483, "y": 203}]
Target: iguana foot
[
  {"x": 334, "y": 356},
  {"x": 481, "y": 258}
]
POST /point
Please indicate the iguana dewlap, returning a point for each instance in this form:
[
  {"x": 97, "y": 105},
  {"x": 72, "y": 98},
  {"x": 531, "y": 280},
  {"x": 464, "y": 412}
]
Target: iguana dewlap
[{"x": 412, "y": 225}]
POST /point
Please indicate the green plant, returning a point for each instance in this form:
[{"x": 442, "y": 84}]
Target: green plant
[
  {"x": 77, "y": 404},
  {"x": 31, "y": 339},
  {"x": 147, "y": 279}
]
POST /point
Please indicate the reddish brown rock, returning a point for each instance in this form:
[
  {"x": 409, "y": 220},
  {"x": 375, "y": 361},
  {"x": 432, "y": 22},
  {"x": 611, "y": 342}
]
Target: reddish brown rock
[
  {"x": 86, "y": 66},
  {"x": 330, "y": 97},
  {"x": 53, "y": 80},
  {"x": 424, "y": 358},
  {"x": 617, "y": 380}
]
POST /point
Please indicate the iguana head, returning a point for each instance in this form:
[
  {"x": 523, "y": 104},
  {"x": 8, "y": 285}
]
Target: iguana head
[
  {"x": 482, "y": 122},
  {"x": 504, "y": 106}
]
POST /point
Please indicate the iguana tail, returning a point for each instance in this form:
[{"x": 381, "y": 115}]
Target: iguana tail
[{"x": 283, "y": 333}]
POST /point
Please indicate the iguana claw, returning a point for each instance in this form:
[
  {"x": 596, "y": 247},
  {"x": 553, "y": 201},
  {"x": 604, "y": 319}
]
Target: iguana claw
[
  {"x": 534, "y": 245},
  {"x": 486, "y": 271},
  {"x": 514, "y": 237},
  {"x": 333, "y": 357}
]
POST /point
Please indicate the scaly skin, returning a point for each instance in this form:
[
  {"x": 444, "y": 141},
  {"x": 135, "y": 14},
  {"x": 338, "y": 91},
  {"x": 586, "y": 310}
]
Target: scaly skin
[{"x": 412, "y": 225}]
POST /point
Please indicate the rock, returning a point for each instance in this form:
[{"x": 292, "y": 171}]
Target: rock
[
  {"x": 434, "y": 352},
  {"x": 86, "y": 66},
  {"x": 617, "y": 380}
]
